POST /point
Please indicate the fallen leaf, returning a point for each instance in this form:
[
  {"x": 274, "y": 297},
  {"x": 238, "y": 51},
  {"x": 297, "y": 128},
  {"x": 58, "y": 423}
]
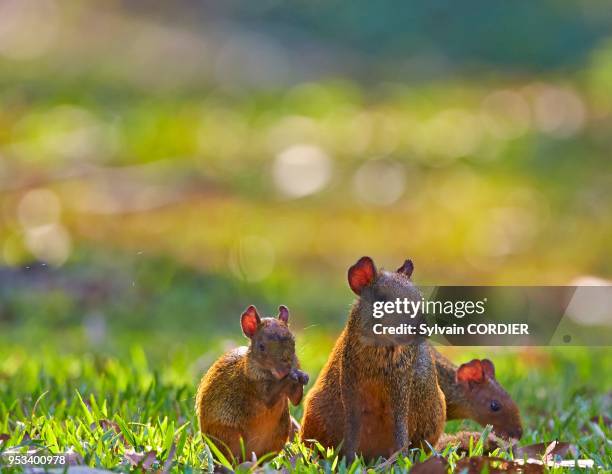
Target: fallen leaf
[
  {"x": 478, "y": 464},
  {"x": 546, "y": 450},
  {"x": 581, "y": 463},
  {"x": 108, "y": 425},
  {"x": 73, "y": 458},
  {"x": 144, "y": 460},
  {"x": 461, "y": 440},
  {"x": 434, "y": 465}
]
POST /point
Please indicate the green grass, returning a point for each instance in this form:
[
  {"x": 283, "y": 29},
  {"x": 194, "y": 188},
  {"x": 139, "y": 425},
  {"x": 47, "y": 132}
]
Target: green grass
[{"x": 102, "y": 407}]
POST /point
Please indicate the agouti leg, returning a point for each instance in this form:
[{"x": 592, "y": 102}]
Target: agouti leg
[
  {"x": 225, "y": 438},
  {"x": 352, "y": 413},
  {"x": 400, "y": 396}
]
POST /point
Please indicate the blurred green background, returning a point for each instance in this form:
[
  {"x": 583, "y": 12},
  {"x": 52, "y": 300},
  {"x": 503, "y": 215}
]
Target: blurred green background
[{"x": 163, "y": 165}]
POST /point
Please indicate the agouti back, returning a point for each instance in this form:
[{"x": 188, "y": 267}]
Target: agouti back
[
  {"x": 473, "y": 392},
  {"x": 360, "y": 398},
  {"x": 245, "y": 393}
]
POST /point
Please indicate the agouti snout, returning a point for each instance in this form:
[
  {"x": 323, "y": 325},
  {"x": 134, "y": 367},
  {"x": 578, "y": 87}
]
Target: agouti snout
[
  {"x": 486, "y": 401},
  {"x": 272, "y": 344}
]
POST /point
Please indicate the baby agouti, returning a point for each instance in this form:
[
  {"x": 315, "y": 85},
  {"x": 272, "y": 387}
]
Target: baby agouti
[
  {"x": 361, "y": 397},
  {"x": 244, "y": 395},
  {"x": 473, "y": 392}
]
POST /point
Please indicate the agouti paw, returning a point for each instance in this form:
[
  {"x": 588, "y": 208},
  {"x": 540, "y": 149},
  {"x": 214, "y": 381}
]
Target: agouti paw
[{"x": 299, "y": 376}]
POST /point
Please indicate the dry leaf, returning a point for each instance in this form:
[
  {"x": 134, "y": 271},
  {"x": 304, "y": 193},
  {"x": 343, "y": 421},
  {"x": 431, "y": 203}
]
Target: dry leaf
[
  {"x": 73, "y": 458},
  {"x": 546, "y": 450},
  {"x": 476, "y": 465},
  {"x": 108, "y": 425},
  {"x": 461, "y": 439},
  {"x": 434, "y": 465},
  {"x": 144, "y": 460}
]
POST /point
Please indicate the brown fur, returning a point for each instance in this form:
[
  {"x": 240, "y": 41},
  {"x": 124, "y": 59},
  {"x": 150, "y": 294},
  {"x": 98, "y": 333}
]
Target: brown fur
[
  {"x": 473, "y": 401},
  {"x": 360, "y": 397},
  {"x": 243, "y": 395}
]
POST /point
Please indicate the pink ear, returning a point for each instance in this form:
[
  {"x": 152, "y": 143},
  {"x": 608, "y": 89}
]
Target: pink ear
[
  {"x": 283, "y": 313},
  {"x": 250, "y": 321},
  {"x": 407, "y": 268},
  {"x": 470, "y": 372},
  {"x": 361, "y": 274},
  {"x": 488, "y": 368}
]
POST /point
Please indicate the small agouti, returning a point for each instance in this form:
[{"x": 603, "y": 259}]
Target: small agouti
[
  {"x": 473, "y": 392},
  {"x": 244, "y": 395},
  {"x": 361, "y": 397}
]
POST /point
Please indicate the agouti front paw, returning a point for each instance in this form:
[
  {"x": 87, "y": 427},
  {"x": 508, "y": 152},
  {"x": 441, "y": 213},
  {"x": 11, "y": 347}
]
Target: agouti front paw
[{"x": 299, "y": 377}]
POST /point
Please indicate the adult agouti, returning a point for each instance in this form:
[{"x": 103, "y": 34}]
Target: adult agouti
[
  {"x": 244, "y": 395},
  {"x": 472, "y": 392},
  {"x": 361, "y": 397}
]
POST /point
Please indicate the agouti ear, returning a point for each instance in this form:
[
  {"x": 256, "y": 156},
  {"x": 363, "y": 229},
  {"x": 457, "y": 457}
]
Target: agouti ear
[
  {"x": 361, "y": 274},
  {"x": 407, "y": 268},
  {"x": 283, "y": 313},
  {"x": 470, "y": 372},
  {"x": 488, "y": 368},
  {"x": 250, "y": 321}
]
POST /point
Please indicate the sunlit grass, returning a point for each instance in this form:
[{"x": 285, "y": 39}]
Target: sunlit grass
[{"x": 107, "y": 410}]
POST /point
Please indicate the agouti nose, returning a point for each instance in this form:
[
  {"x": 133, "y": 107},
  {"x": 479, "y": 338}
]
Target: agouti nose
[{"x": 518, "y": 433}]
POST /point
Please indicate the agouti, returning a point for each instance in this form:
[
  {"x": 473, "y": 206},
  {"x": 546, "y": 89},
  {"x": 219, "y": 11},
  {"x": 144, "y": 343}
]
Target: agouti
[
  {"x": 361, "y": 398},
  {"x": 244, "y": 395},
  {"x": 473, "y": 392}
]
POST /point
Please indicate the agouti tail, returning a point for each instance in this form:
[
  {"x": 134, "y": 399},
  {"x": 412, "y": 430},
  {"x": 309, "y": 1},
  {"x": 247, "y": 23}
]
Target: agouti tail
[
  {"x": 361, "y": 398},
  {"x": 245, "y": 394}
]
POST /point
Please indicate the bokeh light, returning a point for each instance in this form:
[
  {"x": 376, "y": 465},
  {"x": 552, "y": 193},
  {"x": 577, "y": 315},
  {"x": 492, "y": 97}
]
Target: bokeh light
[
  {"x": 301, "y": 170},
  {"x": 379, "y": 181},
  {"x": 39, "y": 207},
  {"x": 50, "y": 243},
  {"x": 252, "y": 258},
  {"x": 28, "y": 28},
  {"x": 559, "y": 112},
  {"x": 506, "y": 114}
]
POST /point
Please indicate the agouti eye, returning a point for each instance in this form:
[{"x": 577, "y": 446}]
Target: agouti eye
[
  {"x": 495, "y": 405},
  {"x": 261, "y": 347}
]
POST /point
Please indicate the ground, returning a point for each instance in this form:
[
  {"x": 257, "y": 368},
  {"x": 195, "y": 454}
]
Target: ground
[{"x": 117, "y": 412}]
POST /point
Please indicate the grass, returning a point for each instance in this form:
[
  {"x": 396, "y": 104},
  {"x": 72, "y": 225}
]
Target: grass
[
  {"x": 140, "y": 309},
  {"x": 107, "y": 410}
]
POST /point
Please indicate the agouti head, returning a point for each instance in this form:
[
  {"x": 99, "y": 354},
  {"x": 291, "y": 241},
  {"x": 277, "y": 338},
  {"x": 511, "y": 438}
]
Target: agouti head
[
  {"x": 488, "y": 403},
  {"x": 376, "y": 286},
  {"x": 272, "y": 345}
]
